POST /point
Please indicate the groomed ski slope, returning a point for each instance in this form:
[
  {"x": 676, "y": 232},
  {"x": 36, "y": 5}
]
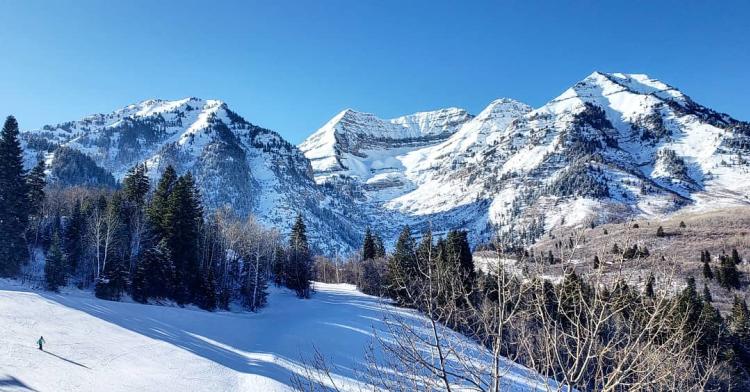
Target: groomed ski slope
[{"x": 96, "y": 345}]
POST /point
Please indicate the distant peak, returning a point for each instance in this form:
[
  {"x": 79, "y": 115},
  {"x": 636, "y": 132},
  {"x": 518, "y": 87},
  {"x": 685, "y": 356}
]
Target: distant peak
[{"x": 502, "y": 106}]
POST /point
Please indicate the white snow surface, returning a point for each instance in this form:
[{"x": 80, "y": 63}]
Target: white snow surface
[{"x": 97, "y": 345}]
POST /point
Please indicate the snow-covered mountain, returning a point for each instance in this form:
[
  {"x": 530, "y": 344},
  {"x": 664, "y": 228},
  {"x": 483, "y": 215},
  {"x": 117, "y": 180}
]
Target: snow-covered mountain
[
  {"x": 611, "y": 147},
  {"x": 235, "y": 163}
]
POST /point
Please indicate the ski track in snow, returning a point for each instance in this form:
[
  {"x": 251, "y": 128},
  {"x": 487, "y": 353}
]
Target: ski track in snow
[{"x": 97, "y": 345}]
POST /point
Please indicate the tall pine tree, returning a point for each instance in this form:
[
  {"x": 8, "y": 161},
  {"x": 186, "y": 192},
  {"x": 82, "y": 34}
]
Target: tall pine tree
[
  {"x": 14, "y": 201},
  {"x": 299, "y": 260},
  {"x": 368, "y": 246},
  {"x": 402, "y": 267},
  {"x": 54, "y": 267}
]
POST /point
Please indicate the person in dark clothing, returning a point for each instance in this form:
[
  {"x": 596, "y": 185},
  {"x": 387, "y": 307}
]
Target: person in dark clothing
[{"x": 41, "y": 342}]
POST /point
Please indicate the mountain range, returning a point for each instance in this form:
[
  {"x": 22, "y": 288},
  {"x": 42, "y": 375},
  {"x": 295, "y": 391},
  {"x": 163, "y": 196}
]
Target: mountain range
[{"x": 610, "y": 148}]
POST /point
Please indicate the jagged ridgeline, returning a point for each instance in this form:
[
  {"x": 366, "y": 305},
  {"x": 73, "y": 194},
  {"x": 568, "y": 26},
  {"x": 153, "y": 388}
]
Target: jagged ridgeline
[
  {"x": 612, "y": 147},
  {"x": 235, "y": 164}
]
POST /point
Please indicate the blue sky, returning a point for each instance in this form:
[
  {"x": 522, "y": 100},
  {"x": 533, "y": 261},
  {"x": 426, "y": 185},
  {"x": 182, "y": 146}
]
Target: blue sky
[{"x": 291, "y": 65}]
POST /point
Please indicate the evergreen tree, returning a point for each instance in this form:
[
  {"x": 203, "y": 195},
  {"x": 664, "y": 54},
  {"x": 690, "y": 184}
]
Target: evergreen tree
[
  {"x": 728, "y": 276},
  {"x": 616, "y": 249},
  {"x": 689, "y": 305},
  {"x": 206, "y": 297},
  {"x": 707, "y": 297},
  {"x": 736, "y": 256},
  {"x": 154, "y": 274},
  {"x": 181, "y": 230},
  {"x": 54, "y": 267},
  {"x": 158, "y": 209},
  {"x": 73, "y": 237},
  {"x": 279, "y": 267},
  {"x": 299, "y": 260},
  {"x": 379, "y": 247},
  {"x": 113, "y": 281},
  {"x": 402, "y": 266},
  {"x": 707, "y": 272},
  {"x": 596, "y": 262},
  {"x": 710, "y": 326},
  {"x": 368, "y": 246},
  {"x": 660, "y": 232},
  {"x": 14, "y": 201},
  {"x": 649, "y": 291},
  {"x": 36, "y": 183},
  {"x": 136, "y": 184},
  {"x": 457, "y": 246},
  {"x": 738, "y": 324}
]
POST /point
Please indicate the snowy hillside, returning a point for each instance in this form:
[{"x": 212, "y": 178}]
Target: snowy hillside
[
  {"x": 235, "y": 163},
  {"x": 611, "y": 147},
  {"x": 96, "y": 345}
]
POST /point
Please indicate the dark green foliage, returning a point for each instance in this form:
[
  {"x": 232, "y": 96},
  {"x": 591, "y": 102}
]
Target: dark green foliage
[
  {"x": 205, "y": 295},
  {"x": 112, "y": 282},
  {"x": 596, "y": 262},
  {"x": 279, "y": 266},
  {"x": 14, "y": 201},
  {"x": 181, "y": 230},
  {"x": 72, "y": 168},
  {"x": 728, "y": 275},
  {"x": 710, "y": 324},
  {"x": 689, "y": 305},
  {"x": 707, "y": 272},
  {"x": 379, "y": 247},
  {"x": 73, "y": 237},
  {"x": 635, "y": 252},
  {"x": 707, "y": 297},
  {"x": 136, "y": 184},
  {"x": 736, "y": 256},
  {"x": 157, "y": 211},
  {"x": 374, "y": 274},
  {"x": 458, "y": 251},
  {"x": 299, "y": 261},
  {"x": 36, "y": 184},
  {"x": 402, "y": 266},
  {"x": 154, "y": 274},
  {"x": 660, "y": 232},
  {"x": 579, "y": 179},
  {"x": 54, "y": 267},
  {"x": 368, "y": 246},
  {"x": 682, "y": 224}
]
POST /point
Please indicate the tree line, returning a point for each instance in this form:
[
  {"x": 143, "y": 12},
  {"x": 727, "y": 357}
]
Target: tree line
[{"x": 154, "y": 242}]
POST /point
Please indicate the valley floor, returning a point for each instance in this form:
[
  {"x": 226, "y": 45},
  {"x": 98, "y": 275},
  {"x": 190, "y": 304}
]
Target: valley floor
[{"x": 96, "y": 345}]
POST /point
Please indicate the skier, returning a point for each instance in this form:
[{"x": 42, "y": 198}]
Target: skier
[{"x": 40, "y": 342}]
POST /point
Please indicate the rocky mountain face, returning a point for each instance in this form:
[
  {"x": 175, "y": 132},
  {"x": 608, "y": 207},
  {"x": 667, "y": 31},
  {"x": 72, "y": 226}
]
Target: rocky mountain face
[
  {"x": 236, "y": 164},
  {"x": 612, "y": 147}
]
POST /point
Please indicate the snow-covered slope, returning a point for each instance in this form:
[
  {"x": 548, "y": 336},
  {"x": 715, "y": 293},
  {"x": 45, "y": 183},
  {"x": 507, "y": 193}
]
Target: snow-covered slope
[
  {"x": 235, "y": 163},
  {"x": 611, "y": 147},
  {"x": 345, "y": 145},
  {"x": 96, "y": 345}
]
